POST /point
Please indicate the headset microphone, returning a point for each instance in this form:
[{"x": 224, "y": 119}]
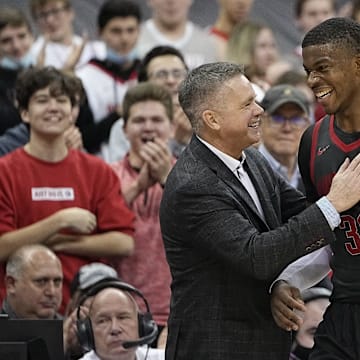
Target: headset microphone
[
  {"x": 148, "y": 329},
  {"x": 146, "y": 339}
]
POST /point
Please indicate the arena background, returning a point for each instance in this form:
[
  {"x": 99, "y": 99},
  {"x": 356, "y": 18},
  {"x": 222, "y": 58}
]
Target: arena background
[{"x": 276, "y": 13}]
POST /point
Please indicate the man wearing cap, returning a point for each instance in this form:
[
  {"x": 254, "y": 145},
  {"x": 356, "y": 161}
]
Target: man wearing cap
[
  {"x": 86, "y": 277},
  {"x": 285, "y": 119}
]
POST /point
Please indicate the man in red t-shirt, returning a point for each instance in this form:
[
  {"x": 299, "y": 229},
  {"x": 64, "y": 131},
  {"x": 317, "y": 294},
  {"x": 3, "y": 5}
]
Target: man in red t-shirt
[{"x": 65, "y": 199}]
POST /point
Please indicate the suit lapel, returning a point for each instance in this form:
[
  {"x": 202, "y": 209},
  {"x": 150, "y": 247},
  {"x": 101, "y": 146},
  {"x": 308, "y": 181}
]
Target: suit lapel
[
  {"x": 264, "y": 188},
  {"x": 229, "y": 178}
]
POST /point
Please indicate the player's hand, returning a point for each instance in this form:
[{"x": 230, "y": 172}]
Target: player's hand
[{"x": 285, "y": 300}]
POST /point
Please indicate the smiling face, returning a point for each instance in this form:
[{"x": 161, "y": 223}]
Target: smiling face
[
  {"x": 48, "y": 114},
  {"x": 114, "y": 319},
  {"x": 234, "y": 122},
  {"x": 333, "y": 75}
]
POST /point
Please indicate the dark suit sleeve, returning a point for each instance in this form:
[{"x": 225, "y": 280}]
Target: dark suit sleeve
[{"x": 213, "y": 225}]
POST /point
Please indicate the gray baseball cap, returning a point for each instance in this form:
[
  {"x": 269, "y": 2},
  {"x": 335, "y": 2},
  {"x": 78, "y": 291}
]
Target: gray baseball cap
[
  {"x": 282, "y": 94},
  {"x": 90, "y": 274}
]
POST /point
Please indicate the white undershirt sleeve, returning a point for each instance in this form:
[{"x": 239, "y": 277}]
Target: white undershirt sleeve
[{"x": 308, "y": 270}]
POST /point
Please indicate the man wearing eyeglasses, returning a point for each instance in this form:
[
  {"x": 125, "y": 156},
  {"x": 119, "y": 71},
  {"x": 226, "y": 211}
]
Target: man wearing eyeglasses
[
  {"x": 163, "y": 65},
  {"x": 58, "y": 45},
  {"x": 285, "y": 119}
]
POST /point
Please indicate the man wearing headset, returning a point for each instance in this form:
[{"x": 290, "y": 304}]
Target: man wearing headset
[{"x": 114, "y": 330}]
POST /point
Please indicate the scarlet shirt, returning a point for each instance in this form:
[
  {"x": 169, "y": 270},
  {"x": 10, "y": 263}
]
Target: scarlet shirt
[
  {"x": 32, "y": 189},
  {"x": 146, "y": 269}
]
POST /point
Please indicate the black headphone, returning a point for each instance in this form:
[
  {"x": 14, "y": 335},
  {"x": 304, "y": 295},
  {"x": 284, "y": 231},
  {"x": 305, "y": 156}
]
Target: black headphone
[{"x": 148, "y": 329}]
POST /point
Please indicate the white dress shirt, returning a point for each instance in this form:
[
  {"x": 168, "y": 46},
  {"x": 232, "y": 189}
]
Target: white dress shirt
[
  {"x": 236, "y": 166},
  {"x": 153, "y": 354}
]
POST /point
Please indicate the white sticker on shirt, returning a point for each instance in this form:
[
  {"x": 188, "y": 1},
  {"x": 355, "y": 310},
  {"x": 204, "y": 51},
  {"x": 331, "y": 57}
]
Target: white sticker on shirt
[{"x": 52, "y": 194}]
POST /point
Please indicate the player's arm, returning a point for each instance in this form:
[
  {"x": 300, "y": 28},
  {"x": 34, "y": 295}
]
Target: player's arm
[
  {"x": 304, "y": 165},
  {"x": 299, "y": 275}
]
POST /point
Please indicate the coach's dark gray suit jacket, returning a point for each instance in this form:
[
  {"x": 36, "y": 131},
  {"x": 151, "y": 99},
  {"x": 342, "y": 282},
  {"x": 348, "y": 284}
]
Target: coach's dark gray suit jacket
[{"x": 223, "y": 255}]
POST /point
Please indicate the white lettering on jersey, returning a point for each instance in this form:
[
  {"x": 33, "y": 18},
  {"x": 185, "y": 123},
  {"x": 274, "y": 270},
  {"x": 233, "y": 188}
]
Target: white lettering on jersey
[{"x": 52, "y": 194}]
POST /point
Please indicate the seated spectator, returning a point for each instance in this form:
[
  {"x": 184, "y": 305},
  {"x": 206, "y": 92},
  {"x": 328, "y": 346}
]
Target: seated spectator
[
  {"x": 65, "y": 199},
  {"x": 33, "y": 282},
  {"x": 57, "y": 45},
  {"x": 143, "y": 172},
  {"x": 299, "y": 80},
  {"x": 316, "y": 301},
  {"x": 15, "y": 49},
  {"x": 88, "y": 276},
  {"x": 15, "y": 55},
  {"x": 163, "y": 65},
  {"x": 229, "y": 14},
  {"x": 170, "y": 25},
  {"x": 85, "y": 278},
  {"x": 106, "y": 81},
  {"x": 309, "y": 13},
  {"x": 285, "y": 119},
  {"x": 254, "y": 46},
  {"x": 114, "y": 327}
]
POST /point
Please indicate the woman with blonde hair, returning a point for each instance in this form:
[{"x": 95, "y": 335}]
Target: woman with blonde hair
[{"x": 253, "y": 45}]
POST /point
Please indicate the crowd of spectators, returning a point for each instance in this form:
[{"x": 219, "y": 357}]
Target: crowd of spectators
[{"x": 89, "y": 131}]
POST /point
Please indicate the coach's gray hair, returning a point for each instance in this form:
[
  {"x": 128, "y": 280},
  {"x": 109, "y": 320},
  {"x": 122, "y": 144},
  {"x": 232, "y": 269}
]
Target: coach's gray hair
[{"x": 202, "y": 89}]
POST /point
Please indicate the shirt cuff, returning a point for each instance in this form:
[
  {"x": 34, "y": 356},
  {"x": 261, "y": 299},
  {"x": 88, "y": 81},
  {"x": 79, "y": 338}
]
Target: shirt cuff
[{"x": 330, "y": 213}]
